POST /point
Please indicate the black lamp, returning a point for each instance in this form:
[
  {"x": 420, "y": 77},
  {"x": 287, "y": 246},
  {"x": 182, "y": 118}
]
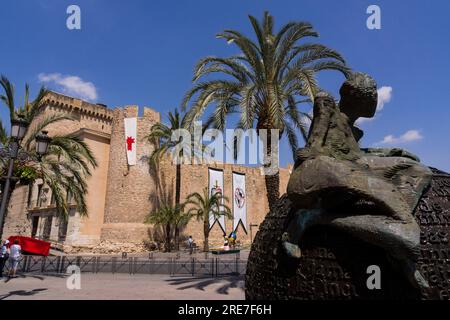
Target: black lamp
[
  {"x": 42, "y": 142},
  {"x": 19, "y": 128}
]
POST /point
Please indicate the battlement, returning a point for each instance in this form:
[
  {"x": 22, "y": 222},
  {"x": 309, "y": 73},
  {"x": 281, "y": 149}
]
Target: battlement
[
  {"x": 132, "y": 111},
  {"x": 73, "y": 104}
]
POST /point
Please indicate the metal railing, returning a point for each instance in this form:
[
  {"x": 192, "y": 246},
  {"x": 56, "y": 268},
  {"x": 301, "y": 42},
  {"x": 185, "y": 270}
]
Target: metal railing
[{"x": 174, "y": 266}]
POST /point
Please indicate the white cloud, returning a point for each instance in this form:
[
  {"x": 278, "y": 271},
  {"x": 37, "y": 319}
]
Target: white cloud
[
  {"x": 408, "y": 136},
  {"x": 360, "y": 121},
  {"x": 71, "y": 85},
  {"x": 384, "y": 96}
]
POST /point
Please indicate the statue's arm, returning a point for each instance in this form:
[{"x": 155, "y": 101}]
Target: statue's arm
[
  {"x": 395, "y": 152},
  {"x": 319, "y": 126}
]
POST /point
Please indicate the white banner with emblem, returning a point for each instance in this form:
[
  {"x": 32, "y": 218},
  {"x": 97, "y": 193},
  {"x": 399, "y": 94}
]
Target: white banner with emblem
[
  {"x": 216, "y": 186},
  {"x": 239, "y": 201},
  {"x": 131, "y": 139}
]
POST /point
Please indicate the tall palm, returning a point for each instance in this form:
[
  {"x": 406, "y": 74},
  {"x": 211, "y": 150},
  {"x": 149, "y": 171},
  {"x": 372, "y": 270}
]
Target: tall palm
[
  {"x": 161, "y": 137},
  {"x": 3, "y": 135},
  {"x": 264, "y": 83},
  {"x": 180, "y": 220},
  {"x": 69, "y": 160},
  {"x": 205, "y": 205}
]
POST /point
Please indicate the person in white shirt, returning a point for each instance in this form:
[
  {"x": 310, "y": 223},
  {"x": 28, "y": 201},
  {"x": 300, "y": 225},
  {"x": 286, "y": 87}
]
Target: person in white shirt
[
  {"x": 191, "y": 244},
  {"x": 14, "y": 258}
]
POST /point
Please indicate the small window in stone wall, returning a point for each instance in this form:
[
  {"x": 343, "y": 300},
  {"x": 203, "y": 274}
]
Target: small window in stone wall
[
  {"x": 30, "y": 195},
  {"x": 47, "y": 227},
  {"x": 69, "y": 197},
  {"x": 52, "y": 199},
  {"x": 62, "y": 230},
  {"x": 34, "y": 226},
  {"x": 38, "y": 199},
  {"x": 43, "y": 197}
]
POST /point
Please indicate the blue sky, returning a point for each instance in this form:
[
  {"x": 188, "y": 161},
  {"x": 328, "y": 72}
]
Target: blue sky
[{"x": 143, "y": 52}]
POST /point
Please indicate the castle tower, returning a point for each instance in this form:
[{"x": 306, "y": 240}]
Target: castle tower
[{"x": 129, "y": 188}]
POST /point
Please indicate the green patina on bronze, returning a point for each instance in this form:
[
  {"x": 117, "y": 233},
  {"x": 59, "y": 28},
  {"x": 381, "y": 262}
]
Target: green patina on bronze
[{"x": 332, "y": 174}]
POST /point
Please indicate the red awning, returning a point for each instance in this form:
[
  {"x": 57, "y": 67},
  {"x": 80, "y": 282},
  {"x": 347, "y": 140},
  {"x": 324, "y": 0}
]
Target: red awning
[{"x": 31, "y": 245}]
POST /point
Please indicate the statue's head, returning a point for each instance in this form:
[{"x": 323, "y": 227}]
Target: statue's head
[{"x": 359, "y": 96}]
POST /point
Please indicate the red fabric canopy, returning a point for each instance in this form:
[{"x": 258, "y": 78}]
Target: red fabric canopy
[{"x": 31, "y": 245}]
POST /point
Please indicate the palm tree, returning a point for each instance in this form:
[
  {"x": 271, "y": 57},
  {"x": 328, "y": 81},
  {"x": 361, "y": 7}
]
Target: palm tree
[
  {"x": 264, "y": 83},
  {"x": 3, "y": 160},
  {"x": 204, "y": 205},
  {"x": 68, "y": 161},
  {"x": 161, "y": 137},
  {"x": 3, "y": 135},
  {"x": 180, "y": 220},
  {"x": 169, "y": 216}
]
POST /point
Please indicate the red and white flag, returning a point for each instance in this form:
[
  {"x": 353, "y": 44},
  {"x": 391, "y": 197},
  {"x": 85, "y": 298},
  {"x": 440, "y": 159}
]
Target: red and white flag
[{"x": 131, "y": 139}]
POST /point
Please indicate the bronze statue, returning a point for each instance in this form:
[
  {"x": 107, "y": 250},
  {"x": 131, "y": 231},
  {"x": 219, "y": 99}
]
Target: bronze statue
[{"x": 370, "y": 193}]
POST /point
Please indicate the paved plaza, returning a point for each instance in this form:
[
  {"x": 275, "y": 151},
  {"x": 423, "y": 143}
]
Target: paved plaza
[{"x": 122, "y": 287}]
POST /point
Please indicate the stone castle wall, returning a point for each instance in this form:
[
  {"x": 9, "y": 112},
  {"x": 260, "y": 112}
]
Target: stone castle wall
[
  {"x": 195, "y": 177},
  {"x": 121, "y": 196},
  {"x": 92, "y": 123},
  {"x": 129, "y": 187}
]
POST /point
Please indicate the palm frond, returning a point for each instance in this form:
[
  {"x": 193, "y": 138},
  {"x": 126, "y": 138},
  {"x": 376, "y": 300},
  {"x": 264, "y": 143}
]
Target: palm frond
[
  {"x": 8, "y": 98},
  {"x": 40, "y": 126}
]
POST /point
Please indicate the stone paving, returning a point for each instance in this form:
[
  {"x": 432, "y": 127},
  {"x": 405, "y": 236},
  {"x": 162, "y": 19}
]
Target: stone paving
[{"x": 122, "y": 287}]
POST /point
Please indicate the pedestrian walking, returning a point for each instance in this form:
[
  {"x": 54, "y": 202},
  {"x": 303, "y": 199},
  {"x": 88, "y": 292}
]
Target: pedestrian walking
[
  {"x": 191, "y": 244},
  {"x": 14, "y": 258}
]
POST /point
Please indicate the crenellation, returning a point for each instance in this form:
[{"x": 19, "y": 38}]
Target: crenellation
[
  {"x": 69, "y": 103},
  {"x": 131, "y": 111}
]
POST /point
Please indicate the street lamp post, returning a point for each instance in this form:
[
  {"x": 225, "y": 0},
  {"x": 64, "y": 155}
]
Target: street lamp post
[{"x": 18, "y": 130}]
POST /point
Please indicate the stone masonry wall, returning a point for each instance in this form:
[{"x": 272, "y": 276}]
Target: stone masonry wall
[
  {"x": 121, "y": 195},
  {"x": 129, "y": 188}
]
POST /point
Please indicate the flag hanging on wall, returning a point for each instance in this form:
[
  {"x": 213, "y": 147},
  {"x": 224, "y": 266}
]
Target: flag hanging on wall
[
  {"x": 216, "y": 186},
  {"x": 239, "y": 201},
  {"x": 131, "y": 140}
]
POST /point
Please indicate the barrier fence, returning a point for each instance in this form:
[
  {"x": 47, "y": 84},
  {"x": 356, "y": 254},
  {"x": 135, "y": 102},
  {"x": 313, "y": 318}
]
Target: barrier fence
[{"x": 177, "y": 266}]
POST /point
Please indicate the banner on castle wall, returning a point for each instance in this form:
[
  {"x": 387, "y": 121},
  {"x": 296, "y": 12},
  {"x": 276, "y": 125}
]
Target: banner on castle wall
[
  {"x": 239, "y": 201},
  {"x": 131, "y": 140},
  {"x": 216, "y": 186}
]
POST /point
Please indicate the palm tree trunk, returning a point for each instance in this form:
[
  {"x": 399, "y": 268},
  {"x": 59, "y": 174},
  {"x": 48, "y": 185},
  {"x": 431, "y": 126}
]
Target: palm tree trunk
[
  {"x": 168, "y": 237},
  {"x": 273, "y": 180},
  {"x": 273, "y": 189},
  {"x": 178, "y": 185},
  {"x": 177, "y": 201},
  {"x": 206, "y": 234},
  {"x": 177, "y": 238}
]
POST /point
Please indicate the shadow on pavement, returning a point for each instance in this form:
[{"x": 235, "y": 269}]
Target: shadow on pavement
[
  {"x": 202, "y": 282},
  {"x": 22, "y": 293},
  {"x": 35, "y": 276}
]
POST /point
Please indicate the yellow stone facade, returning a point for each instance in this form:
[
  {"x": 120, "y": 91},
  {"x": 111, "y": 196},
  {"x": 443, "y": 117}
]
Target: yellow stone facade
[{"x": 121, "y": 196}]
